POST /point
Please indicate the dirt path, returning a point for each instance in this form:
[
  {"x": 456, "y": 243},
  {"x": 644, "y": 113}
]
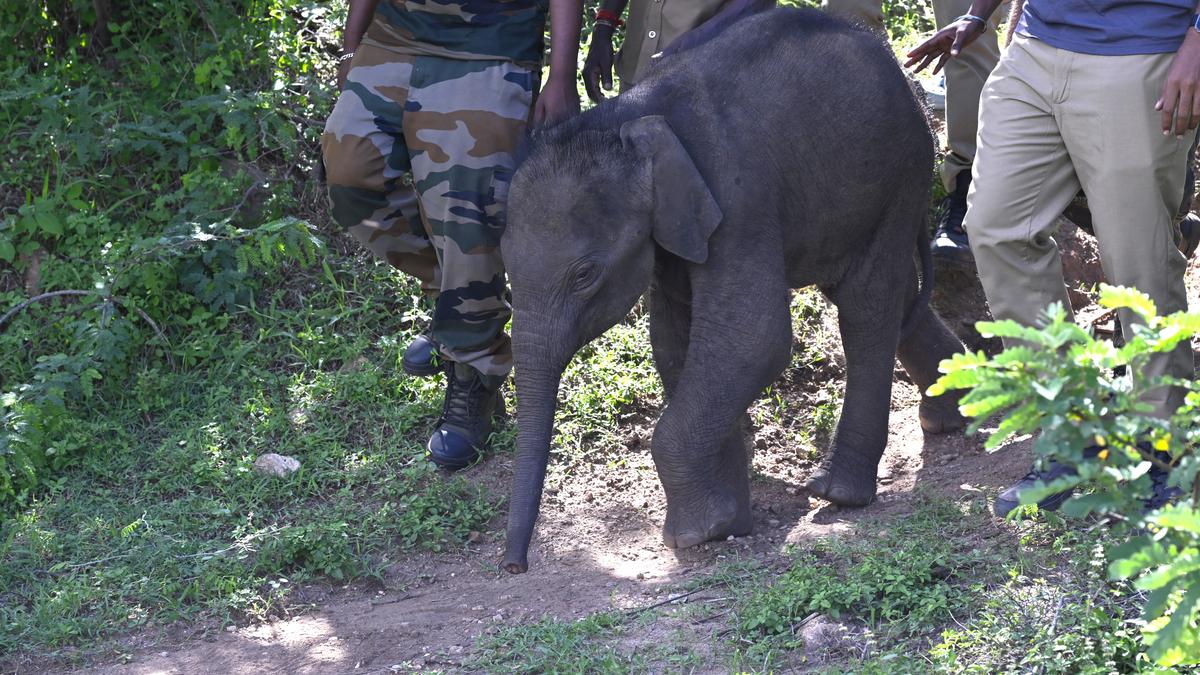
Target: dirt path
[{"x": 597, "y": 547}]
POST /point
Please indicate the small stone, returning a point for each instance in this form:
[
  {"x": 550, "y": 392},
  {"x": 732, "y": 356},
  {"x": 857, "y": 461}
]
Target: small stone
[
  {"x": 773, "y": 522},
  {"x": 164, "y": 654},
  {"x": 230, "y": 629},
  {"x": 729, "y": 538},
  {"x": 791, "y": 491},
  {"x": 497, "y": 617},
  {"x": 821, "y": 634},
  {"x": 474, "y": 537},
  {"x": 279, "y": 466}
]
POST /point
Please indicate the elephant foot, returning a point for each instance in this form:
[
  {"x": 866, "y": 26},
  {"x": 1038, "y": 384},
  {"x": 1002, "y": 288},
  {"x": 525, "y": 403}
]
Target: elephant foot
[
  {"x": 713, "y": 524},
  {"x": 842, "y": 486},
  {"x": 939, "y": 414}
]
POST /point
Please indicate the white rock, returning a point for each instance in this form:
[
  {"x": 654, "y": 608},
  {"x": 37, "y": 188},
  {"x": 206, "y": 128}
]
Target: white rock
[{"x": 272, "y": 464}]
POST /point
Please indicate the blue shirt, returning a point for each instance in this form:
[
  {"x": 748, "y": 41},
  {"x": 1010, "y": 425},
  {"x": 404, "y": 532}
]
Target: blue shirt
[{"x": 1108, "y": 27}]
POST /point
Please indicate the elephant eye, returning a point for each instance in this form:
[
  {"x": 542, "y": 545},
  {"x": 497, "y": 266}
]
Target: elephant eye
[{"x": 585, "y": 275}]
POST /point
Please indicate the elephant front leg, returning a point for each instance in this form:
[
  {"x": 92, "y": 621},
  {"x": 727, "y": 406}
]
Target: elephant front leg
[
  {"x": 715, "y": 504},
  {"x": 870, "y": 332},
  {"x": 670, "y": 321},
  {"x": 699, "y": 448}
]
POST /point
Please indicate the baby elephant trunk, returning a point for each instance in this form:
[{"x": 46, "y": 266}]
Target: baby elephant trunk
[{"x": 537, "y": 387}]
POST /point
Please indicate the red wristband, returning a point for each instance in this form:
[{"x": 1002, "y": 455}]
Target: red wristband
[{"x": 605, "y": 15}]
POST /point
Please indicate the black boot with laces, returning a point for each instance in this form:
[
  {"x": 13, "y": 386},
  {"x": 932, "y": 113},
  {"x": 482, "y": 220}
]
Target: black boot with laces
[
  {"x": 950, "y": 240},
  {"x": 462, "y": 432}
]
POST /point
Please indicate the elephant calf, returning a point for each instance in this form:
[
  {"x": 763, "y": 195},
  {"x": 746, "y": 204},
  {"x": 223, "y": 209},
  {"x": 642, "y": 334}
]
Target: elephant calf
[{"x": 781, "y": 150}]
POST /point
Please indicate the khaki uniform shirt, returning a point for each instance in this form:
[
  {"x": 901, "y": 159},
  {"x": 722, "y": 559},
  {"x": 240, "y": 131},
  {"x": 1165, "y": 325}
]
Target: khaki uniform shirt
[{"x": 654, "y": 24}]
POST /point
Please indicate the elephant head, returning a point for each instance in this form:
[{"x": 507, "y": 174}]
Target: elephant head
[{"x": 586, "y": 210}]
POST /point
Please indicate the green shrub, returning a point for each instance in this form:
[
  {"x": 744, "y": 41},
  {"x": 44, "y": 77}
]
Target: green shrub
[{"x": 1062, "y": 384}]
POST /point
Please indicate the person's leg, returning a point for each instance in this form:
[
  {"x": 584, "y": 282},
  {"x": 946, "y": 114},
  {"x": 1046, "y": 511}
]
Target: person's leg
[
  {"x": 965, "y": 77},
  {"x": 1022, "y": 179},
  {"x": 462, "y": 127},
  {"x": 366, "y": 168},
  {"x": 869, "y": 12},
  {"x": 1134, "y": 178}
]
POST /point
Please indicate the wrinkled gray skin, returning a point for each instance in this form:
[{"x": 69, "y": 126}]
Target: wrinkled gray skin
[{"x": 802, "y": 159}]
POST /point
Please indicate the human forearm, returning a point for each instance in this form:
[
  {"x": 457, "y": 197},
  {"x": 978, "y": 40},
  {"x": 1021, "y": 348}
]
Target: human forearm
[
  {"x": 949, "y": 41},
  {"x": 566, "y": 19},
  {"x": 984, "y": 8},
  {"x": 357, "y": 20}
]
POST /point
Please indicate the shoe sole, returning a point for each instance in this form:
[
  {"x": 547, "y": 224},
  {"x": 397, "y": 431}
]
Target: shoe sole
[
  {"x": 452, "y": 465},
  {"x": 424, "y": 370}
]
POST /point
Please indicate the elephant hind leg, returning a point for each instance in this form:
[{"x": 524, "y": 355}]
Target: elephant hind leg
[
  {"x": 870, "y": 311},
  {"x": 926, "y": 345}
]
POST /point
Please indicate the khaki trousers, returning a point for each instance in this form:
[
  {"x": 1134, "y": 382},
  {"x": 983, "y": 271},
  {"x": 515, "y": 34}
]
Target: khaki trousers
[
  {"x": 965, "y": 75},
  {"x": 1053, "y": 121}
]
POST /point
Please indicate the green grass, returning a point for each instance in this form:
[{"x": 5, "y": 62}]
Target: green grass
[
  {"x": 163, "y": 519},
  {"x": 551, "y": 645},
  {"x": 608, "y": 384}
]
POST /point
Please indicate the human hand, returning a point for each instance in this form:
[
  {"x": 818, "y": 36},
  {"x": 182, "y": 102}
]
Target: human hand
[
  {"x": 1180, "y": 100},
  {"x": 597, "y": 67},
  {"x": 557, "y": 101},
  {"x": 945, "y": 43}
]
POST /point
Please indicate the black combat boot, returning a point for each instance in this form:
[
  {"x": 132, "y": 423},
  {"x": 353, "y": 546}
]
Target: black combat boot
[
  {"x": 462, "y": 432},
  {"x": 950, "y": 240},
  {"x": 421, "y": 357}
]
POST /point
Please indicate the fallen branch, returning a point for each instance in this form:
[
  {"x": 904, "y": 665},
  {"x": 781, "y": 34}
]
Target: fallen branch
[{"x": 674, "y": 598}]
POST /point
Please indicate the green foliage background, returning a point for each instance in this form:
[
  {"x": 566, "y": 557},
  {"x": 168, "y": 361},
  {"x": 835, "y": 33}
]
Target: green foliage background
[{"x": 160, "y": 158}]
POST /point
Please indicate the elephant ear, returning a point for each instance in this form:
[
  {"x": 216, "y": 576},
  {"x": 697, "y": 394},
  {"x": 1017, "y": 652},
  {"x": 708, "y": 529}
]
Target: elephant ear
[{"x": 685, "y": 213}]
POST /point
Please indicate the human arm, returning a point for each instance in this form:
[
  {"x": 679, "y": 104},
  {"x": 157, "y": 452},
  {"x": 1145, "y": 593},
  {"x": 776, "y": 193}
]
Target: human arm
[
  {"x": 1180, "y": 100},
  {"x": 949, "y": 41},
  {"x": 598, "y": 66},
  {"x": 559, "y": 98},
  {"x": 357, "y": 19}
]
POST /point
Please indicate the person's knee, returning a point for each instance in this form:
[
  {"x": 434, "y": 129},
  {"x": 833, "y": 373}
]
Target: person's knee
[
  {"x": 352, "y": 162},
  {"x": 984, "y": 214}
]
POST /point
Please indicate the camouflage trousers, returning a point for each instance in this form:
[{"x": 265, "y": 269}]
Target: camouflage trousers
[{"x": 418, "y": 154}]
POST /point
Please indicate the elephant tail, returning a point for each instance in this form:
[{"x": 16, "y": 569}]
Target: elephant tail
[
  {"x": 924, "y": 283},
  {"x": 731, "y": 13}
]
